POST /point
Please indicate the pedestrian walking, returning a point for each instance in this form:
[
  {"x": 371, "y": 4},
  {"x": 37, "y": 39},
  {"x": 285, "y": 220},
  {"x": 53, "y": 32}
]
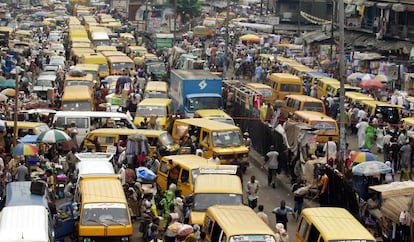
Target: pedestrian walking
[
  {"x": 21, "y": 173},
  {"x": 361, "y": 126},
  {"x": 262, "y": 215},
  {"x": 282, "y": 212},
  {"x": 271, "y": 159},
  {"x": 297, "y": 208},
  {"x": 252, "y": 189}
]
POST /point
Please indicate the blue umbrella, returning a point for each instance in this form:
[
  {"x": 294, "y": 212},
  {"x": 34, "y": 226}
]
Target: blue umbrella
[
  {"x": 371, "y": 168},
  {"x": 29, "y": 139}
]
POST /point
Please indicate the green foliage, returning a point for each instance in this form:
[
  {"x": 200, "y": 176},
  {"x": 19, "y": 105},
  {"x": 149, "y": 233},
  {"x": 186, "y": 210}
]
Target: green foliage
[{"x": 188, "y": 9}]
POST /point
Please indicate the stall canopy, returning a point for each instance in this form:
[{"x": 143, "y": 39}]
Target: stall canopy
[{"x": 394, "y": 189}]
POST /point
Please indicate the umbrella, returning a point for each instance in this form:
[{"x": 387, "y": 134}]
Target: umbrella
[
  {"x": 354, "y": 76},
  {"x": 53, "y": 136},
  {"x": 371, "y": 83},
  {"x": 9, "y": 92},
  {"x": 9, "y": 83},
  {"x": 25, "y": 149},
  {"x": 366, "y": 77},
  {"x": 3, "y": 98},
  {"x": 250, "y": 38},
  {"x": 382, "y": 78},
  {"x": 371, "y": 168},
  {"x": 359, "y": 157},
  {"x": 29, "y": 139}
]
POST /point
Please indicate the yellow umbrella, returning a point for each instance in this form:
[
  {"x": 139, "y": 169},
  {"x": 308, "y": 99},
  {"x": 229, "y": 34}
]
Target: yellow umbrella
[{"x": 250, "y": 38}]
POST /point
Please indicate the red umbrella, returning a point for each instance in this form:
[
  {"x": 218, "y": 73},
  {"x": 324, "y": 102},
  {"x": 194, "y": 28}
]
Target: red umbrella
[{"x": 371, "y": 83}]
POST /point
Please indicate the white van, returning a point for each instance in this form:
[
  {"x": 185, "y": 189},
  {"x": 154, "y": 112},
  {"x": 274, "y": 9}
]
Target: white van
[
  {"x": 87, "y": 121},
  {"x": 94, "y": 163},
  {"x": 25, "y": 223}
]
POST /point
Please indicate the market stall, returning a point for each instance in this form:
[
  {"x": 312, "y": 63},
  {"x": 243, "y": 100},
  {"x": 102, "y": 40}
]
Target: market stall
[{"x": 394, "y": 208}]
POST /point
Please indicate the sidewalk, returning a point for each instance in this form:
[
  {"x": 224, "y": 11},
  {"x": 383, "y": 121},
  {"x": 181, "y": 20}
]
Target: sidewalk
[{"x": 282, "y": 180}]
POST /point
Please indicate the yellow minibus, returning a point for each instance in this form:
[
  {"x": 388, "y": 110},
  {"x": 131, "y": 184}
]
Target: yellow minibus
[
  {"x": 390, "y": 113},
  {"x": 294, "y": 103},
  {"x": 98, "y": 59},
  {"x": 77, "y": 98},
  {"x": 227, "y": 223},
  {"x": 188, "y": 170},
  {"x": 214, "y": 137},
  {"x": 109, "y": 136},
  {"x": 104, "y": 211},
  {"x": 215, "y": 189},
  {"x": 330, "y": 224},
  {"x": 156, "y": 89},
  {"x": 92, "y": 69},
  {"x": 333, "y": 89},
  {"x": 263, "y": 89},
  {"x": 356, "y": 97},
  {"x": 214, "y": 114},
  {"x": 326, "y": 126},
  {"x": 322, "y": 85},
  {"x": 154, "y": 107},
  {"x": 24, "y": 128},
  {"x": 101, "y": 48},
  {"x": 117, "y": 64},
  {"x": 285, "y": 84}
]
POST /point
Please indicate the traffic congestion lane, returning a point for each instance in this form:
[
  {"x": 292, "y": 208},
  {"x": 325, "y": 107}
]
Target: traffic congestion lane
[{"x": 270, "y": 197}]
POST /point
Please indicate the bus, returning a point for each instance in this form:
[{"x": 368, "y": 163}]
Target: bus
[
  {"x": 285, "y": 84},
  {"x": 330, "y": 224},
  {"x": 103, "y": 209},
  {"x": 214, "y": 137},
  {"x": 77, "y": 98},
  {"x": 327, "y": 127},
  {"x": 100, "y": 38},
  {"x": 226, "y": 223},
  {"x": 98, "y": 59},
  {"x": 117, "y": 64}
]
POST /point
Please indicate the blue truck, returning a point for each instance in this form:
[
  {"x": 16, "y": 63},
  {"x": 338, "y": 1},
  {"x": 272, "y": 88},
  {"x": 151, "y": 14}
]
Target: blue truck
[{"x": 192, "y": 90}]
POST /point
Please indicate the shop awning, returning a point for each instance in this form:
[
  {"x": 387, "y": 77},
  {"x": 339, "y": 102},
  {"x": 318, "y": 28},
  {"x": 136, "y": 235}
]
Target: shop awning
[{"x": 315, "y": 36}]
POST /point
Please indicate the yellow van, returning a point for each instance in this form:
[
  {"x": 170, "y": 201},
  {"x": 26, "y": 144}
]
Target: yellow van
[
  {"x": 117, "y": 64},
  {"x": 214, "y": 137},
  {"x": 86, "y": 80},
  {"x": 96, "y": 59},
  {"x": 214, "y": 189},
  {"x": 109, "y": 53},
  {"x": 294, "y": 103},
  {"x": 333, "y": 89},
  {"x": 189, "y": 169},
  {"x": 214, "y": 114},
  {"x": 92, "y": 69},
  {"x": 156, "y": 89},
  {"x": 235, "y": 223},
  {"x": 322, "y": 85},
  {"x": 103, "y": 209},
  {"x": 263, "y": 89},
  {"x": 137, "y": 53},
  {"x": 159, "y": 107},
  {"x": 330, "y": 224},
  {"x": 108, "y": 137},
  {"x": 326, "y": 126},
  {"x": 203, "y": 31},
  {"x": 77, "y": 98},
  {"x": 285, "y": 84},
  {"x": 300, "y": 70},
  {"x": 127, "y": 39},
  {"x": 101, "y": 48},
  {"x": 24, "y": 128},
  {"x": 77, "y": 53},
  {"x": 390, "y": 113},
  {"x": 356, "y": 97}
]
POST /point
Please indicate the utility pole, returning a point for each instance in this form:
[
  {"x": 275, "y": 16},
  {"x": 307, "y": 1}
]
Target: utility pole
[
  {"x": 16, "y": 105},
  {"x": 226, "y": 50},
  {"x": 332, "y": 29},
  {"x": 342, "y": 130},
  {"x": 175, "y": 22}
]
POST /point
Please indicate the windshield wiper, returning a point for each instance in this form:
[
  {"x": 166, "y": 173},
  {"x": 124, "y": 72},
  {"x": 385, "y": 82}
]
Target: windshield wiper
[
  {"x": 96, "y": 221},
  {"x": 115, "y": 221}
]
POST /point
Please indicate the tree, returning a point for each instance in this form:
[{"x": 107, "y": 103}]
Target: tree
[{"x": 188, "y": 9}]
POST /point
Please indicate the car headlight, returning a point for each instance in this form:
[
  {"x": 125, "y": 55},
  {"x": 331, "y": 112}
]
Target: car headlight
[{"x": 124, "y": 239}]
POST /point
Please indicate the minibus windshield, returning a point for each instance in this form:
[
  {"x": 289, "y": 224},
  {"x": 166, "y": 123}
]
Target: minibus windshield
[{"x": 227, "y": 138}]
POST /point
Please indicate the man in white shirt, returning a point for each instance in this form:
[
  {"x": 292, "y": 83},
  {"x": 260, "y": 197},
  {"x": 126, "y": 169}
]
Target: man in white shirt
[
  {"x": 361, "y": 115},
  {"x": 121, "y": 173},
  {"x": 215, "y": 159},
  {"x": 252, "y": 189},
  {"x": 330, "y": 149}
]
